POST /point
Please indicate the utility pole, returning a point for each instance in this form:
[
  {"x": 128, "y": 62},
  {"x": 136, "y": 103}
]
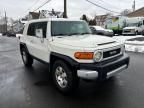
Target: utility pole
[
  {"x": 5, "y": 22},
  {"x": 133, "y": 5},
  {"x": 65, "y": 9}
]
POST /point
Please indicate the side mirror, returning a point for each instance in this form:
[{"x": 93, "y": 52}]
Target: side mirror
[
  {"x": 139, "y": 24},
  {"x": 39, "y": 33}
]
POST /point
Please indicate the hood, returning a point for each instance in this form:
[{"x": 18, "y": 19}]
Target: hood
[
  {"x": 83, "y": 40},
  {"x": 133, "y": 27}
]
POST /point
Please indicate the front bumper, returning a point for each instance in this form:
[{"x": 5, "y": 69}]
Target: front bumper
[
  {"x": 109, "y": 33},
  {"x": 103, "y": 70},
  {"x": 128, "y": 33}
]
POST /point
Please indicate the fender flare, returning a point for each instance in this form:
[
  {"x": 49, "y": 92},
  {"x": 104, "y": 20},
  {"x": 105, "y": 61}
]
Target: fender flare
[
  {"x": 53, "y": 55},
  {"x": 23, "y": 45}
]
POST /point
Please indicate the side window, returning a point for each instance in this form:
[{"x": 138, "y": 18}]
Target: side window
[
  {"x": 39, "y": 25},
  {"x": 143, "y": 22},
  {"x": 43, "y": 26},
  {"x": 93, "y": 29},
  {"x": 31, "y": 29}
]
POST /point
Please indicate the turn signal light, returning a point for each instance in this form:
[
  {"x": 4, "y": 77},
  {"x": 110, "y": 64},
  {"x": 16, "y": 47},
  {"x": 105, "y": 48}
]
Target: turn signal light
[{"x": 83, "y": 55}]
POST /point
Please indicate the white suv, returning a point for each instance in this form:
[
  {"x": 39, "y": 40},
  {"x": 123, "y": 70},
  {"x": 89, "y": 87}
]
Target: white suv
[{"x": 71, "y": 51}]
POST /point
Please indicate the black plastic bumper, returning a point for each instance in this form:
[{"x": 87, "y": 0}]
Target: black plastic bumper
[{"x": 106, "y": 66}]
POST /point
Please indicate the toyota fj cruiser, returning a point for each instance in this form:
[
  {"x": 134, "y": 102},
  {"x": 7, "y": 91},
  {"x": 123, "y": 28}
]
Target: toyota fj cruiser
[{"x": 71, "y": 51}]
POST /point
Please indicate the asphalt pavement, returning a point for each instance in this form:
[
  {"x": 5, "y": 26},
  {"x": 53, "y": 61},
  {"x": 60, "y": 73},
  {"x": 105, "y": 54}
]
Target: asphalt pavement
[{"x": 21, "y": 87}]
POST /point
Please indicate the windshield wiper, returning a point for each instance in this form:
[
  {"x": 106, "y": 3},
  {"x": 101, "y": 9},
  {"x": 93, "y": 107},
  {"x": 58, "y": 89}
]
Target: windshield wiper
[
  {"x": 73, "y": 34},
  {"x": 78, "y": 34},
  {"x": 59, "y": 34}
]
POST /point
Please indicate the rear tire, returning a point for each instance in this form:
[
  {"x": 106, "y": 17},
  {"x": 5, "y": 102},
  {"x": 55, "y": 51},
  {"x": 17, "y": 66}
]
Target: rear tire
[
  {"x": 27, "y": 59},
  {"x": 64, "y": 78}
]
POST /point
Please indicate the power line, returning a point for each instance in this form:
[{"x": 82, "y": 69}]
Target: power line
[
  {"x": 102, "y": 7},
  {"x": 109, "y": 4},
  {"x": 42, "y": 5},
  {"x": 28, "y": 9},
  {"x": 33, "y": 5}
]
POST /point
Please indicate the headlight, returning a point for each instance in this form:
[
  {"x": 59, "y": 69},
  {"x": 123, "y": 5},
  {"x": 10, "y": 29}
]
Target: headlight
[{"x": 98, "y": 55}]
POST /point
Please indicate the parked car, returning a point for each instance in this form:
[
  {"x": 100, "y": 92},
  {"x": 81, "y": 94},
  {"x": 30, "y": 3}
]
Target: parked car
[
  {"x": 71, "y": 52},
  {"x": 133, "y": 30},
  {"x": 134, "y": 25},
  {"x": 11, "y": 34},
  {"x": 4, "y": 33},
  {"x": 101, "y": 31}
]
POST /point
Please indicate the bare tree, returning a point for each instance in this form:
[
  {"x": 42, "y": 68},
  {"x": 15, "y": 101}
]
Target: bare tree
[
  {"x": 84, "y": 17},
  {"x": 92, "y": 22},
  {"x": 11, "y": 21},
  {"x": 125, "y": 12}
]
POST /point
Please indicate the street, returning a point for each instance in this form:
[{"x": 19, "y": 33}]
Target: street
[{"x": 21, "y": 87}]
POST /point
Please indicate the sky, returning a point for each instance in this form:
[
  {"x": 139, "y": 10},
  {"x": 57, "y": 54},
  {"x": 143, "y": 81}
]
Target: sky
[{"x": 76, "y": 8}]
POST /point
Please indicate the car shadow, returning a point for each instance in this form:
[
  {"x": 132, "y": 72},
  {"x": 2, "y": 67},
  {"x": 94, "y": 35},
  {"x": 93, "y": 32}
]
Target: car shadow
[{"x": 40, "y": 82}]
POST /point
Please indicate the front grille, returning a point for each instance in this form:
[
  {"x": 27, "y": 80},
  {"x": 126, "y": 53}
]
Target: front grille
[
  {"x": 111, "y": 53},
  {"x": 126, "y": 31}
]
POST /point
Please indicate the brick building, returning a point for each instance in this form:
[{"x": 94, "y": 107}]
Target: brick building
[{"x": 100, "y": 20}]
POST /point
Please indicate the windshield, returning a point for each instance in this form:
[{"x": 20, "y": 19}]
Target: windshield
[
  {"x": 67, "y": 28},
  {"x": 132, "y": 25}
]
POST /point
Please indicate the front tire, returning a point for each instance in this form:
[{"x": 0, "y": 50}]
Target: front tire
[
  {"x": 64, "y": 78},
  {"x": 27, "y": 59},
  {"x": 136, "y": 33}
]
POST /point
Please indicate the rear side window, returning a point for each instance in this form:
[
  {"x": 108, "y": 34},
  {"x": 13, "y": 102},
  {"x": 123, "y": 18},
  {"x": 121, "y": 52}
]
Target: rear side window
[
  {"x": 31, "y": 29},
  {"x": 39, "y": 25}
]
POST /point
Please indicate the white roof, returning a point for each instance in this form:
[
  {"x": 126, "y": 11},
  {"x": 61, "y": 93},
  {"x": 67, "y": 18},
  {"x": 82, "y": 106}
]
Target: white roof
[{"x": 54, "y": 19}]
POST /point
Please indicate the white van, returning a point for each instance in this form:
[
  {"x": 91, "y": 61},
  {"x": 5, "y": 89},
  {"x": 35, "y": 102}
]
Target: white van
[{"x": 134, "y": 26}]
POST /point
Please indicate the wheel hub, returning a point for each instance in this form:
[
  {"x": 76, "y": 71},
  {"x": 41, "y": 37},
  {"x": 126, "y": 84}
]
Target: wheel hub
[{"x": 61, "y": 77}]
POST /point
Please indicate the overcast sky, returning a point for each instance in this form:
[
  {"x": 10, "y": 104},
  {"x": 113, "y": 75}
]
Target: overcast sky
[{"x": 19, "y": 8}]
